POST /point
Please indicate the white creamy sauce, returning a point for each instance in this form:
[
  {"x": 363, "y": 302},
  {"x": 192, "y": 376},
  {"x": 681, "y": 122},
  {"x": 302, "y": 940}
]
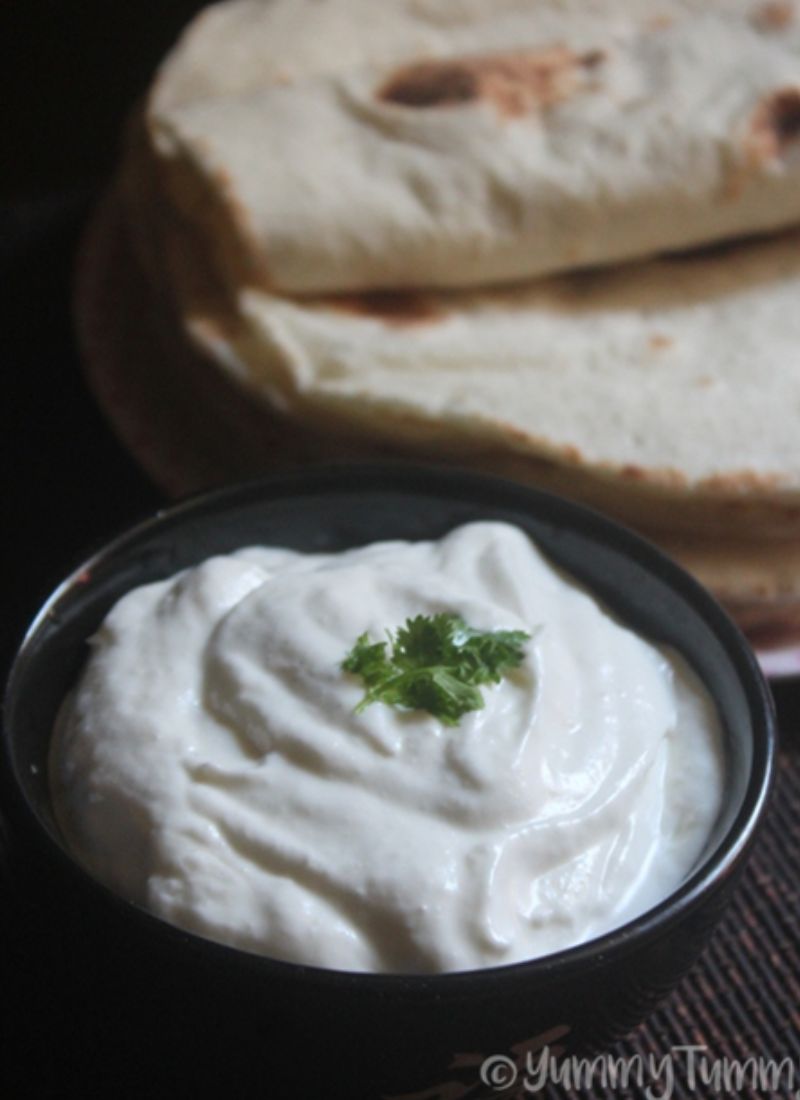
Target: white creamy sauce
[{"x": 211, "y": 767}]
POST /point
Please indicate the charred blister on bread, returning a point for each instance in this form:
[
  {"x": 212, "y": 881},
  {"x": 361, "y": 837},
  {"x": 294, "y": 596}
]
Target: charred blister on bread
[
  {"x": 393, "y": 307},
  {"x": 773, "y": 15},
  {"x": 774, "y": 129},
  {"x": 515, "y": 83}
]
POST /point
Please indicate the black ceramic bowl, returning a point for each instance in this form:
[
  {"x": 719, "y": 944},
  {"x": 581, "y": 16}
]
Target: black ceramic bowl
[{"x": 160, "y": 1005}]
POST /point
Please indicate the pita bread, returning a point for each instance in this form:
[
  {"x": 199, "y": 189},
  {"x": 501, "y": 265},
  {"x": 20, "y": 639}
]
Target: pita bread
[
  {"x": 658, "y": 392},
  {"x": 192, "y": 426},
  {"x": 665, "y": 393},
  {"x": 464, "y": 144}
]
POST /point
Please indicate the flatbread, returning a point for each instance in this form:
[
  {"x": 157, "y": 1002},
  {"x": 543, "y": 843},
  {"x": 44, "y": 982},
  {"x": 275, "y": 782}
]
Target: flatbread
[
  {"x": 449, "y": 143},
  {"x": 665, "y": 393},
  {"x": 193, "y": 427}
]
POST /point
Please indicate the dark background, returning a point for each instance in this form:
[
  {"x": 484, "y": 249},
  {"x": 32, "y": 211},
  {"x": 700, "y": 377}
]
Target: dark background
[{"x": 71, "y": 71}]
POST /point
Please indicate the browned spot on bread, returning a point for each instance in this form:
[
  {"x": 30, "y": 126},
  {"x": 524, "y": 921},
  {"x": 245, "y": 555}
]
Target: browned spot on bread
[
  {"x": 570, "y": 453},
  {"x": 393, "y": 307},
  {"x": 658, "y": 341},
  {"x": 515, "y": 83},
  {"x": 660, "y": 22},
  {"x": 432, "y": 84},
  {"x": 774, "y": 15},
  {"x": 774, "y": 126},
  {"x": 741, "y": 481},
  {"x": 633, "y": 472}
]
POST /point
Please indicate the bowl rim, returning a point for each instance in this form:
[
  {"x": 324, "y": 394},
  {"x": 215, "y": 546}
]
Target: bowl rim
[{"x": 346, "y": 478}]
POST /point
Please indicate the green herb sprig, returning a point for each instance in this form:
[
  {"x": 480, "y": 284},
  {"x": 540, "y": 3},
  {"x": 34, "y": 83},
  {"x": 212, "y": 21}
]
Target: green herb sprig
[{"x": 436, "y": 664}]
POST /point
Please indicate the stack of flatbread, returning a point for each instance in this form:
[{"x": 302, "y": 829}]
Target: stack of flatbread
[{"x": 556, "y": 239}]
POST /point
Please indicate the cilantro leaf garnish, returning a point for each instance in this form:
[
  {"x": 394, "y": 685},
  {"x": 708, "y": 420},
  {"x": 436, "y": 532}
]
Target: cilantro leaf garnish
[{"x": 436, "y": 663}]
